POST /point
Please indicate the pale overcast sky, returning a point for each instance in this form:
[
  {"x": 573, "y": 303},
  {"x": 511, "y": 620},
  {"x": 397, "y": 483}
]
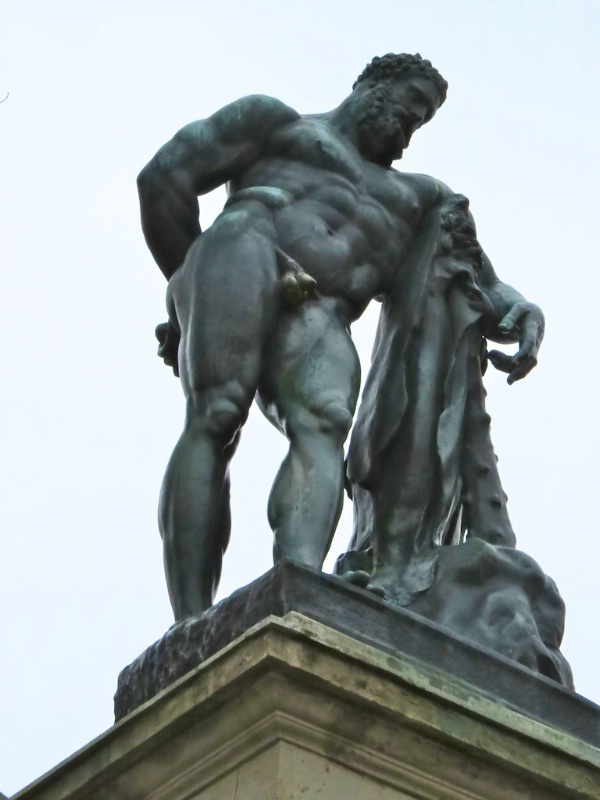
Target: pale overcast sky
[{"x": 90, "y": 414}]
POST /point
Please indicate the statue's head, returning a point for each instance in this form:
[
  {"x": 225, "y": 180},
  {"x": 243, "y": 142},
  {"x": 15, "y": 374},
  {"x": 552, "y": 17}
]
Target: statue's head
[{"x": 398, "y": 94}]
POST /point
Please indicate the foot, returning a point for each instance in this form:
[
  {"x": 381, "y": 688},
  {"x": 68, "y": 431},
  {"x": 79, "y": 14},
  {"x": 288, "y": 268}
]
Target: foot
[
  {"x": 386, "y": 582},
  {"x": 357, "y": 577},
  {"x": 399, "y": 583}
]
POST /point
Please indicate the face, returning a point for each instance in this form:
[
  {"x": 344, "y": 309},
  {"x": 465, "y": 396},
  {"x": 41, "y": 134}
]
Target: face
[{"x": 393, "y": 111}]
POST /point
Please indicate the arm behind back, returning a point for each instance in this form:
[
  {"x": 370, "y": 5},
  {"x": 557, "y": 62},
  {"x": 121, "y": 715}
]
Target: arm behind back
[{"x": 200, "y": 157}]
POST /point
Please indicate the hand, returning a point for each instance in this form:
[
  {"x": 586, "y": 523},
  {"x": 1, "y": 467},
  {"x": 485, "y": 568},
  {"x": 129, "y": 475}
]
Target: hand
[
  {"x": 526, "y": 321},
  {"x": 168, "y": 340}
]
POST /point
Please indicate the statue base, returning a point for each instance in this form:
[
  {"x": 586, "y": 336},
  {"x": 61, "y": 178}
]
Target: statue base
[
  {"x": 390, "y": 629},
  {"x": 296, "y": 710}
]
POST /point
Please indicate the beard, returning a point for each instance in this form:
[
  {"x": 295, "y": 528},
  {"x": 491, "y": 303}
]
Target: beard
[{"x": 380, "y": 133}]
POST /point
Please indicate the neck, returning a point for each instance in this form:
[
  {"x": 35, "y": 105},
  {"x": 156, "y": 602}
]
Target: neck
[
  {"x": 347, "y": 121},
  {"x": 345, "y": 118}
]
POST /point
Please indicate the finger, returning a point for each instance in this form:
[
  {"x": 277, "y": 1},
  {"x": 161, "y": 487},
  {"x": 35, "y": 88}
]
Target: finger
[
  {"x": 501, "y": 361},
  {"x": 528, "y": 338},
  {"x": 291, "y": 292},
  {"x": 528, "y": 349},
  {"x": 531, "y": 335},
  {"x": 306, "y": 281},
  {"x": 308, "y": 285},
  {"x": 522, "y": 370},
  {"x": 510, "y": 320}
]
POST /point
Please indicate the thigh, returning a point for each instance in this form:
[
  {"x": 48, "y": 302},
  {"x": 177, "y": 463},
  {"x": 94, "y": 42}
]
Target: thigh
[
  {"x": 225, "y": 300},
  {"x": 310, "y": 366}
]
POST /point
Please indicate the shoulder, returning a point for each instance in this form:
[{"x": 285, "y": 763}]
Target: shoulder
[
  {"x": 244, "y": 126},
  {"x": 250, "y": 119},
  {"x": 429, "y": 190},
  {"x": 264, "y": 105},
  {"x": 256, "y": 113}
]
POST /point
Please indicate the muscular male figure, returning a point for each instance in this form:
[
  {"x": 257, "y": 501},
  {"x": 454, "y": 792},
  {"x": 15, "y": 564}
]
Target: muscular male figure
[{"x": 317, "y": 224}]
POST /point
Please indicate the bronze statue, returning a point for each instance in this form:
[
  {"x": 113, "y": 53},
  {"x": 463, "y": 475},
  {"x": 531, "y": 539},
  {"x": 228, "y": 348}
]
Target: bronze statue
[{"x": 317, "y": 225}]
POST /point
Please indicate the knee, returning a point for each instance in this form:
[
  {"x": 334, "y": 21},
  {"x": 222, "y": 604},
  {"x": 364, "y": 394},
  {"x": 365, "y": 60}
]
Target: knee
[
  {"x": 332, "y": 419},
  {"x": 335, "y": 418},
  {"x": 218, "y": 418}
]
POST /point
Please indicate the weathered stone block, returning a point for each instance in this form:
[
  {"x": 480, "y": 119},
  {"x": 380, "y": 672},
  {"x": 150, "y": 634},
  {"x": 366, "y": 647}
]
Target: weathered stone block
[
  {"x": 294, "y": 710},
  {"x": 362, "y": 615}
]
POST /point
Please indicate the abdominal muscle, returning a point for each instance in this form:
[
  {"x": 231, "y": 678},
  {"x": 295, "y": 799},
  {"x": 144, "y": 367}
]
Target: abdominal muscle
[{"x": 348, "y": 247}]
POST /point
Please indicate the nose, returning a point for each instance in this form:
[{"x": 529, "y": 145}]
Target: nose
[{"x": 417, "y": 116}]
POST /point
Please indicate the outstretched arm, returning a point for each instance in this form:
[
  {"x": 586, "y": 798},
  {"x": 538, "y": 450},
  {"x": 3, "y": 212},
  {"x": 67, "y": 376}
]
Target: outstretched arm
[
  {"x": 516, "y": 320},
  {"x": 202, "y": 156}
]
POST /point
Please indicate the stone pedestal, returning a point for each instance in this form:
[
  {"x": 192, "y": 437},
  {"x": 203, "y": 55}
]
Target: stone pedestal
[{"x": 295, "y": 710}]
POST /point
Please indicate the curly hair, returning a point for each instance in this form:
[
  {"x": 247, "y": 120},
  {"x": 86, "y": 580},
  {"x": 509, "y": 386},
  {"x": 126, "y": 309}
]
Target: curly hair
[{"x": 393, "y": 66}]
